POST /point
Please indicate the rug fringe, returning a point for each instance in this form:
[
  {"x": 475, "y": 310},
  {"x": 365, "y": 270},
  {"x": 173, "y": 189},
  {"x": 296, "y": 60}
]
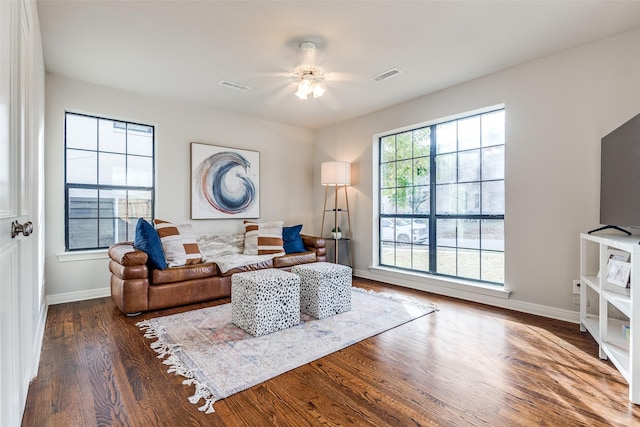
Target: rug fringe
[
  {"x": 202, "y": 393},
  {"x": 176, "y": 366}
]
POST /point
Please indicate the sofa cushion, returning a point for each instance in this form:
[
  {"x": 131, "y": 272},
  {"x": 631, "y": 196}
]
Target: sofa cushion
[
  {"x": 290, "y": 260},
  {"x": 263, "y": 238},
  {"x": 147, "y": 240},
  {"x": 179, "y": 243},
  {"x": 250, "y": 267},
  {"x": 292, "y": 241},
  {"x": 187, "y": 272}
]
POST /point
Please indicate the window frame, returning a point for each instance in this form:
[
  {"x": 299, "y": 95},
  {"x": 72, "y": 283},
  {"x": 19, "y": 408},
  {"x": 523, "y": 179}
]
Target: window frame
[
  {"x": 433, "y": 216},
  {"x": 122, "y": 124}
]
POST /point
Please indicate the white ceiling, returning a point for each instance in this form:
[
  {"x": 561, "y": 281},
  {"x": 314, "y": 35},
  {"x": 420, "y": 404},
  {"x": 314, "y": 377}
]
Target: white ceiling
[{"x": 181, "y": 49}]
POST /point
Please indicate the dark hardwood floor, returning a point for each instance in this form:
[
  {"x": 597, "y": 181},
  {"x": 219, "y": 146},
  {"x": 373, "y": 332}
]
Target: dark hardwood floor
[{"x": 464, "y": 365}]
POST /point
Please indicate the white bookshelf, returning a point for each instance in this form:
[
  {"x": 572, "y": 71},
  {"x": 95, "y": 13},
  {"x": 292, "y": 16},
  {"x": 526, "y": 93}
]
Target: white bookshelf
[{"x": 605, "y": 308}]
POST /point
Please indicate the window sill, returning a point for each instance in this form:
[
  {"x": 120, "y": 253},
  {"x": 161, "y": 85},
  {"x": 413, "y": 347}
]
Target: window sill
[
  {"x": 429, "y": 282},
  {"x": 82, "y": 255}
]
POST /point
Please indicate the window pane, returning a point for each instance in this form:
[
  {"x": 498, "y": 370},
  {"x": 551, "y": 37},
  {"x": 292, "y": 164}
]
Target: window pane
[
  {"x": 421, "y": 200},
  {"x": 388, "y": 175},
  {"x": 83, "y": 203},
  {"x": 446, "y": 169},
  {"x": 493, "y": 163},
  {"x": 493, "y": 198},
  {"x": 83, "y": 233},
  {"x": 388, "y": 202},
  {"x": 492, "y": 232},
  {"x": 421, "y": 257},
  {"x": 421, "y": 142},
  {"x": 112, "y": 138},
  {"x": 493, "y": 128},
  {"x": 116, "y": 203},
  {"x": 446, "y": 199},
  {"x": 446, "y": 261},
  {"x": 404, "y": 146},
  {"x": 446, "y": 232},
  {"x": 405, "y": 200},
  {"x": 492, "y": 266},
  {"x": 421, "y": 167},
  {"x": 140, "y": 140},
  {"x": 388, "y": 149},
  {"x": 446, "y": 137},
  {"x": 81, "y": 166},
  {"x": 403, "y": 255},
  {"x": 387, "y": 229},
  {"x": 139, "y": 171},
  {"x": 469, "y": 166},
  {"x": 113, "y": 169},
  {"x": 388, "y": 254},
  {"x": 131, "y": 231},
  {"x": 469, "y": 199},
  {"x": 469, "y": 264},
  {"x": 405, "y": 173},
  {"x": 469, "y": 133},
  {"x": 107, "y": 231},
  {"x": 139, "y": 205},
  {"x": 469, "y": 233},
  {"x": 81, "y": 132}
]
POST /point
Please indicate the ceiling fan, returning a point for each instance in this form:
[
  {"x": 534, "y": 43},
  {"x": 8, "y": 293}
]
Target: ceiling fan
[{"x": 310, "y": 76}]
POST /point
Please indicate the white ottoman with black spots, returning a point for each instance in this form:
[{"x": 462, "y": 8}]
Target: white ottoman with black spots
[
  {"x": 265, "y": 301},
  {"x": 325, "y": 288}
]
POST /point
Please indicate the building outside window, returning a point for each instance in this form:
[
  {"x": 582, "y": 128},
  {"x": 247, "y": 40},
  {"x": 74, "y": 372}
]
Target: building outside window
[
  {"x": 109, "y": 180},
  {"x": 442, "y": 198}
]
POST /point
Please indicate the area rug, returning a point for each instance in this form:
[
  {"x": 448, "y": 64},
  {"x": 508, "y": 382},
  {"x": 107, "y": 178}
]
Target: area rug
[{"x": 221, "y": 359}]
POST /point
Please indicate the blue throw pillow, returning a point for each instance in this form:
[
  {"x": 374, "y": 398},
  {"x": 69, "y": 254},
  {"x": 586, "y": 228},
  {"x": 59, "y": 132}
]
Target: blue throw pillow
[
  {"x": 292, "y": 241},
  {"x": 147, "y": 240}
]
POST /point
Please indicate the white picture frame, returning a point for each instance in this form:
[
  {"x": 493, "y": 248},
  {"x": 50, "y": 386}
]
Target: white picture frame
[
  {"x": 618, "y": 272},
  {"x": 615, "y": 254}
]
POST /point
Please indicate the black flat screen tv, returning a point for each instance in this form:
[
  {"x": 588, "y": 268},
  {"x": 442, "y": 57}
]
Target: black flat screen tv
[{"x": 620, "y": 176}]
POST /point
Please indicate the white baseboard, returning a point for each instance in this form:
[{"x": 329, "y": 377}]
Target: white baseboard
[
  {"x": 42, "y": 322},
  {"x": 440, "y": 289},
  {"x": 78, "y": 296}
]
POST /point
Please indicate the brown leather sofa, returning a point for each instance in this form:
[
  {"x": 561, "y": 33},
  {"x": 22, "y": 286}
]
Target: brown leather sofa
[{"x": 135, "y": 287}]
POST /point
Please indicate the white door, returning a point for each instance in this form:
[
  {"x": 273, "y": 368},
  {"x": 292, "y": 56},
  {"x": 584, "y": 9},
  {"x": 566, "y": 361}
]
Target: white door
[{"x": 21, "y": 119}]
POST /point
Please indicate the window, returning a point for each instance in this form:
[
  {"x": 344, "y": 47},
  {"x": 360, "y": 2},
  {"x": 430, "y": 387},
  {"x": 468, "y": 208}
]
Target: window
[
  {"x": 442, "y": 201},
  {"x": 109, "y": 180}
]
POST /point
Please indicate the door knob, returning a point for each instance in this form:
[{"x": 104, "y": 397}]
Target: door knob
[{"x": 17, "y": 228}]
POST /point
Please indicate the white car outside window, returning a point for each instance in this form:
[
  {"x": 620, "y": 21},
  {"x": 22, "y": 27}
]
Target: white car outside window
[{"x": 406, "y": 231}]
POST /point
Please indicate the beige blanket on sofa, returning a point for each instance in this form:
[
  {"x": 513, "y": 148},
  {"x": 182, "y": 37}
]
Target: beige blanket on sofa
[{"x": 225, "y": 249}]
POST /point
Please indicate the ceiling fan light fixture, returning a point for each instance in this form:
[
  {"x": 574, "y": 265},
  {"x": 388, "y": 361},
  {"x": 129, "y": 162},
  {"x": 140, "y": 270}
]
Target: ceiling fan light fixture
[
  {"x": 309, "y": 76},
  {"x": 301, "y": 95},
  {"x": 308, "y": 83},
  {"x": 318, "y": 90}
]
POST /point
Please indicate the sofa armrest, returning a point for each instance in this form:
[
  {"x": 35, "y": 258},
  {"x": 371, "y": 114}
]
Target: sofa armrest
[
  {"x": 316, "y": 244},
  {"x": 129, "y": 277},
  {"x": 125, "y": 254}
]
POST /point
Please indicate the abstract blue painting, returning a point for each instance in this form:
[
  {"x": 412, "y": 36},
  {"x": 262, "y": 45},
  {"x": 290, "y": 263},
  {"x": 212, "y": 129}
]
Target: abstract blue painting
[{"x": 225, "y": 182}]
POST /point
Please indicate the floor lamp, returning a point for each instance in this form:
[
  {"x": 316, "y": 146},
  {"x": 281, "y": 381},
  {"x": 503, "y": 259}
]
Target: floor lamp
[{"x": 336, "y": 174}]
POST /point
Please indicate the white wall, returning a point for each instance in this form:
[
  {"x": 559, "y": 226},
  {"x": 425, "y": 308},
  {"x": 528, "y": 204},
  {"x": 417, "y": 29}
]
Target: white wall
[
  {"x": 557, "y": 109},
  {"x": 286, "y": 171}
]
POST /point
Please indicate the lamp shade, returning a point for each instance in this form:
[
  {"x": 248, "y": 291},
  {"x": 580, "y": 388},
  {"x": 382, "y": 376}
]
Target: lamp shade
[{"x": 335, "y": 173}]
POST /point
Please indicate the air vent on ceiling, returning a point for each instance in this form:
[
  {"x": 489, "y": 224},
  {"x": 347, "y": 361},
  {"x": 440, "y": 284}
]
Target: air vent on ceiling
[
  {"x": 232, "y": 85},
  {"x": 387, "y": 74}
]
